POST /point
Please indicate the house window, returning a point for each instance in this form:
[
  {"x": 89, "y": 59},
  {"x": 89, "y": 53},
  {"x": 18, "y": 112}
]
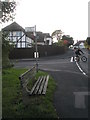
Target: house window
[
  {"x": 16, "y": 37},
  {"x": 47, "y": 42},
  {"x": 19, "y": 33},
  {"x": 18, "y": 45},
  {"x": 10, "y": 34},
  {"x": 14, "y": 33},
  {"x": 23, "y": 45},
  {"x": 23, "y": 38}
]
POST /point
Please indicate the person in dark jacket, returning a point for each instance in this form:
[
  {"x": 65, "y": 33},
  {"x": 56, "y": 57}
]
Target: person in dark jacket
[{"x": 78, "y": 51}]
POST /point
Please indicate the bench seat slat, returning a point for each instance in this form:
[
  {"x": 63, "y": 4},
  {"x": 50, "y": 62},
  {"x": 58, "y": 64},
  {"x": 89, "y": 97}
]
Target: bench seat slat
[
  {"x": 38, "y": 85},
  {"x": 45, "y": 86},
  {"x": 41, "y": 87},
  {"x": 32, "y": 90}
]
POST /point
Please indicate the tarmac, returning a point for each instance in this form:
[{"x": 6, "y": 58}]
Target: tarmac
[
  {"x": 67, "y": 85},
  {"x": 85, "y": 65}
]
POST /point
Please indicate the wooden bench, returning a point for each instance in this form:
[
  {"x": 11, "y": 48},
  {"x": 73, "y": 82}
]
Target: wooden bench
[
  {"x": 40, "y": 85},
  {"x": 25, "y": 77}
]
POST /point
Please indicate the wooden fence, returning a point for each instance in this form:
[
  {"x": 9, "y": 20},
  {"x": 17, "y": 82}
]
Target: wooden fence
[{"x": 20, "y": 53}]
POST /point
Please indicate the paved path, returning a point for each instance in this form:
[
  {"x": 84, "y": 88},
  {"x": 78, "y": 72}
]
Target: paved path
[
  {"x": 69, "y": 80},
  {"x": 72, "y": 87}
]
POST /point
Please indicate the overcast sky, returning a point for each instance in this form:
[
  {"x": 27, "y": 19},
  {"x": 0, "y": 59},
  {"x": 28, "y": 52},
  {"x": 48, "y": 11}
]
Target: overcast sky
[{"x": 71, "y": 16}]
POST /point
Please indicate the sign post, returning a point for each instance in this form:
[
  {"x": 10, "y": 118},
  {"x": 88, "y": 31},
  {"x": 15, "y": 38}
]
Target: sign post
[
  {"x": 33, "y": 30},
  {"x": 36, "y": 49},
  {"x": 89, "y": 19}
]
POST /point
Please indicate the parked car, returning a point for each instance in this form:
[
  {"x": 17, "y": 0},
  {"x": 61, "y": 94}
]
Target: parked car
[{"x": 71, "y": 47}]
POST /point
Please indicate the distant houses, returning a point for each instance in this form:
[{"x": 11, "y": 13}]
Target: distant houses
[
  {"x": 44, "y": 38},
  {"x": 80, "y": 44},
  {"x": 26, "y": 39}
]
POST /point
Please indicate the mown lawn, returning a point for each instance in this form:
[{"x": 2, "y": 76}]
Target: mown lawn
[{"x": 12, "y": 103}]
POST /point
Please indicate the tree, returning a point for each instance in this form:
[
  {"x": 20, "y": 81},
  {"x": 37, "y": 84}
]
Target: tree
[
  {"x": 65, "y": 42},
  {"x": 61, "y": 43},
  {"x": 87, "y": 43},
  {"x": 8, "y": 11},
  {"x": 57, "y": 34},
  {"x": 6, "y": 48},
  {"x": 88, "y": 40},
  {"x": 69, "y": 39}
]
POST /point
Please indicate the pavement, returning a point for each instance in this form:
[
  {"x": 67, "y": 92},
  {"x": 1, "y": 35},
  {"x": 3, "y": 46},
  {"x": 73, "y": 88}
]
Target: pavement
[
  {"x": 64, "y": 97},
  {"x": 70, "y": 81}
]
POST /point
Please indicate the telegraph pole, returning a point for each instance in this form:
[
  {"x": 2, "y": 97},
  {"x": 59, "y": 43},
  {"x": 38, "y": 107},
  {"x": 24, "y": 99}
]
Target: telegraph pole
[
  {"x": 89, "y": 19},
  {"x": 36, "y": 50}
]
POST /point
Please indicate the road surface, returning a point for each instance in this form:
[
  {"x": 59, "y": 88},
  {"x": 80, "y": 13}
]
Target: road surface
[{"x": 71, "y": 95}]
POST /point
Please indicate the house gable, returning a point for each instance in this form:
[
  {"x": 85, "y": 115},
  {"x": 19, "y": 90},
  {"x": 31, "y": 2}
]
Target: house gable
[
  {"x": 18, "y": 35},
  {"x": 13, "y": 27}
]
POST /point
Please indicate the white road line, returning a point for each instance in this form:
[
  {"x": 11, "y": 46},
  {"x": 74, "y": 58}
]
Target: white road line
[
  {"x": 71, "y": 59},
  {"x": 81, "y": 69}
]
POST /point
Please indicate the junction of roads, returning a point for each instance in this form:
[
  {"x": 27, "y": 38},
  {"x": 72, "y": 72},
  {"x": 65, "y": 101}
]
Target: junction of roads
[{"x": 72, "y": 79}]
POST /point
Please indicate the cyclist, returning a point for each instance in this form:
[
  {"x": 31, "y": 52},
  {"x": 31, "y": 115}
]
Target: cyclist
[{"x": 77, "y": 52}]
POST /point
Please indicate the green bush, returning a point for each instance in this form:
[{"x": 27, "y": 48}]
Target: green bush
[{"x": 6, "y": 47}]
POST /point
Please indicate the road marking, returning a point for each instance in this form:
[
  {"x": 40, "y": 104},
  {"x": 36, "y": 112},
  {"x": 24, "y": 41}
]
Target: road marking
[
  {"x": 80, "y": 99},
  {"x": 81, "y": 69},
  {"x": 78, "y": 67},
  {"x": 71, "y": 59}
]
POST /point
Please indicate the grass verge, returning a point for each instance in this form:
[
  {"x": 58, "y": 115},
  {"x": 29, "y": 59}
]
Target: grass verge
[{"x": 12, "y": 105}]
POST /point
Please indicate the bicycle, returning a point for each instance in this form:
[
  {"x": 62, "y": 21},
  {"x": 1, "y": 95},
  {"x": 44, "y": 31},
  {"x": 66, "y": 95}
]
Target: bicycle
[{"x": 80, "y": 57}]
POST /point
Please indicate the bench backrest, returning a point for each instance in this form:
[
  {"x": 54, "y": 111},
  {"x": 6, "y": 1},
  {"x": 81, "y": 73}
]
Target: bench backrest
[{"x": 27, "y": 76}]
